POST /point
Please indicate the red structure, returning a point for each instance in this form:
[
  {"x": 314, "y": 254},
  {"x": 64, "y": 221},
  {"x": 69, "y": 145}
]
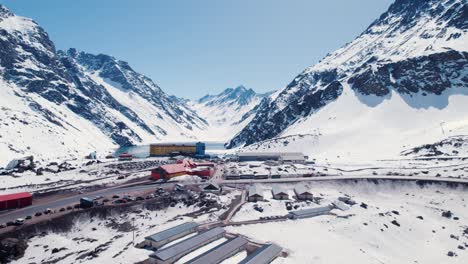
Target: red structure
[
  {"x": 15, "y": 200},
  {"x": 182, "y": 167},
  {"x": 125, "y": 156}
]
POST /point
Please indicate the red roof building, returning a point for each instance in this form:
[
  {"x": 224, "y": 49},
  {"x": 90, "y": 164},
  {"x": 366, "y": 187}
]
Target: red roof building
[
  {"x": 15, "y": 200},
  {"x": 181, "y": 167}
]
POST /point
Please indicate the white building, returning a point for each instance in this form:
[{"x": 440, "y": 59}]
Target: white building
[
  {"x": 303, "y": 193},
  {"x": 279, "y": 193}
]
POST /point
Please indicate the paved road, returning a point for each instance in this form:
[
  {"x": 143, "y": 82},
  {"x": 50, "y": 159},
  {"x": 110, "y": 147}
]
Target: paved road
[
  {"x": 334, "y": 178},
  {"x": 31, "y": 210}
]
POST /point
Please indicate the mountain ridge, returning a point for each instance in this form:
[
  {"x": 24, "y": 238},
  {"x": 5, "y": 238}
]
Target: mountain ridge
[
  {"x": 414, "y": 49},
  {"x": 72, "y": 93}
]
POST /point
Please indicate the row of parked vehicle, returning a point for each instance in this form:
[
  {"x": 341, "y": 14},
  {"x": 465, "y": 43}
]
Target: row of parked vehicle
[
  {"x": 21, "y": 221},
  {"x": 98, "y": 200}
]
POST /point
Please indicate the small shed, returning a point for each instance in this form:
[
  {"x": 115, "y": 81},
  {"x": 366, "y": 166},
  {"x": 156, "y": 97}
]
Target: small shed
[
  {"x": 303, "y": 193},
  {"x": 255, "y": 194},
  {"x": 279, "y": 193},
  {"x": 212, "y": 188}
]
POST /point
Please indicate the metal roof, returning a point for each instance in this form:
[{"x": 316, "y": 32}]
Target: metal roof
[
  {"x": 168, "y": 233},
  {"x": 255, "y": 190},
  {"x": 292, "y": 156},
  {"x": 340, "y": 205},
  {"x": 263, "y": 255},
  {"x": 309, "y": 211},
  {"x": 187, "y": 244},
  {"x": 278, "y": 190},
  {"x": 300, "y": 189},
  {"x": 212, "y": 186},
  {"x": 14, "y": 196},
  {"x": 174, "y": 168},
  {"x": 220, "y": 252}
]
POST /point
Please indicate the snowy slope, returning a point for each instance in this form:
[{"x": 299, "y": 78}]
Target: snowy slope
[
  {"x": 420, "y": 234},
  {"x": 391, "y": 87},
  {"x": 66, "y": 104},
  {"x": 227, "y": 112}
]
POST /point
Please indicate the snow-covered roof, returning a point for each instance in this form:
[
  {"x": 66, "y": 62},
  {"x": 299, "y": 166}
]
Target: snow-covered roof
[
  {"x": 187, "y": 244},
  {"x": 305, "y": 212},
  {"x": 301, "y": 189},
  {"x": 255, "y": 190},
  {"x": 163, "y": 235},
  {"x": 220, "y": 252},
  {"x": 278, "y": 190}
]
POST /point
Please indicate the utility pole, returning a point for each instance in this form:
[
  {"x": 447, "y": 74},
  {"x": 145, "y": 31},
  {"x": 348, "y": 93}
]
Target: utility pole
[
  {"x": 133, "y": 230},
  {"x": 441, "y": 126}
]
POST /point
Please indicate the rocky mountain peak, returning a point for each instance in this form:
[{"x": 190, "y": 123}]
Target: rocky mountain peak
[
  {"x": 5, "y": 12},
  {"x": 417, "y": 47}
]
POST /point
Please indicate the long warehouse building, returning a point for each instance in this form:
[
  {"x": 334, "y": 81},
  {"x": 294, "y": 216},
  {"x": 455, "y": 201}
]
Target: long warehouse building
[
  {"x": 263, "y": 255},
  {"x": 161, "y": 238},
  {"x": 176, "y": 251},
  {"x": 306, "y": 213},
  {"x": 221, "y": 252}
]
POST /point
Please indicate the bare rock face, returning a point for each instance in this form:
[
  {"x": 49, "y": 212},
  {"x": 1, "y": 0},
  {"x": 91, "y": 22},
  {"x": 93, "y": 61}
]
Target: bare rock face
[{"x": 11, "y": 249}]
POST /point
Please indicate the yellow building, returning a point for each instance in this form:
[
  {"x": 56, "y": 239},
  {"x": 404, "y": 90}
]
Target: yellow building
[{"x": 168, "y": 149}]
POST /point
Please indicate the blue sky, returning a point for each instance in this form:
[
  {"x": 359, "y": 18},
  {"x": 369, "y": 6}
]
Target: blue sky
[{"x": 191, "y": 48}]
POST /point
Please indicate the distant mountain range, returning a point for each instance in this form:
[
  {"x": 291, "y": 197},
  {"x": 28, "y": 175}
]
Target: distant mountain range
[
  {"x": 227, "y": 112},
  {"x": 401, "y": 83}
]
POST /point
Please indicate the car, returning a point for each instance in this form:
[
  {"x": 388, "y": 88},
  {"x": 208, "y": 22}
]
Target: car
[
  {"x": 2, "y": 226},
  {"x": 120, "y": 201},
  {"x": 69, "y": 207},
  {"x": 62, "y": 209},
  {"x": 98, "y": 197},
  {"x": 116, "y": 197},
  {"x": 28, "y": 217},
  {"x": 48, "y": 211},
  {"x": 10, "y": 223},
  {"x": 76, "y": 206},
  {"x": 19, "y": 221},
  {"x": 38, "y": 214},
  {"x": 139, "y": 198},
  {"x": 128, "y": 198},
  {"x": 105, "y": 200}
]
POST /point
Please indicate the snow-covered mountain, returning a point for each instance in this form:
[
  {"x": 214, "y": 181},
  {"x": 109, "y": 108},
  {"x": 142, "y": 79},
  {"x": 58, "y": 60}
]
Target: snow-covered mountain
[
  {"x": 227, "y": 112},
  {"x": 57, "y": 103},
  {"x": 403, "y": 82}
]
